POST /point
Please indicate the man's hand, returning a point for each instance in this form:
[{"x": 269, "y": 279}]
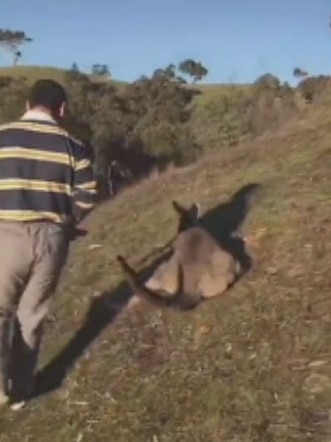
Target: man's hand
[
  {"x": 76, "y": 232},
  {"x": 80, "y": 232}
]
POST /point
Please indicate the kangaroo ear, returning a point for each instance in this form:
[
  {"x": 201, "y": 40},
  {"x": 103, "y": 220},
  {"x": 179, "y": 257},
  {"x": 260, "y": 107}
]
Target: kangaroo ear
[
  {"x": 179, "y": 209},
  {"x": 195, "y": 210}
]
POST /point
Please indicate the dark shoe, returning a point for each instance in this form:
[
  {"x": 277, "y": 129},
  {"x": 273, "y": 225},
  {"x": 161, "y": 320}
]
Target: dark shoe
[{"x": 18, "y": 399}]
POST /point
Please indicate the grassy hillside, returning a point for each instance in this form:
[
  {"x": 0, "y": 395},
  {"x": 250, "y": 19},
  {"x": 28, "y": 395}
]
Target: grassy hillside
[
  {"x": 214, "y": 91},
  {"x": 252, "y": 365},
  {"x": 33, "y": 73}
]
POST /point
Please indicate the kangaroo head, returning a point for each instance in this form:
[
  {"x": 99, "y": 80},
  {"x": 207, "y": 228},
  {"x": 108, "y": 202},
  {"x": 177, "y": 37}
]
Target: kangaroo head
[{"x": 187, "y": 217}]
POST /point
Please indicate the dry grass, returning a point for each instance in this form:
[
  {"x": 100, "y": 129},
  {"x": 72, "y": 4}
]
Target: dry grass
[
  {"x": 253, "y": 365},
  {"x": 214, "y": 91}
]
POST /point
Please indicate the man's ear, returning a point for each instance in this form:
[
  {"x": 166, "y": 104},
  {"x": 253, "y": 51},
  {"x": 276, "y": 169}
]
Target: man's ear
[{"x": 62, "y": 110}]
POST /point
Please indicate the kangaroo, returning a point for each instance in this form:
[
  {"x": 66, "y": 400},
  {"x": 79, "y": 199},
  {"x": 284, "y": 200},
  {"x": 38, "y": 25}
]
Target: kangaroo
[{"x": 198, "y": 269}]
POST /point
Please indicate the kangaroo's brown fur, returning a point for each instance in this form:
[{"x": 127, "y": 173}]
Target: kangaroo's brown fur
[{"x": 199, "y": 268}]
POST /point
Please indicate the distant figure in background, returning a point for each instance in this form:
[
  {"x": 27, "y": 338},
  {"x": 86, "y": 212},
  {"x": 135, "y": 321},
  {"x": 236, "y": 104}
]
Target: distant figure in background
[
  {"x": 117, "y": 177},
  {"x": 47, "y": 187},
  {"x": 114, "y": 177}
]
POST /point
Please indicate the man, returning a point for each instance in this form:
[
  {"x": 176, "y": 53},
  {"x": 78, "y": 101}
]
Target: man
[{"x": 47, "y": 187}]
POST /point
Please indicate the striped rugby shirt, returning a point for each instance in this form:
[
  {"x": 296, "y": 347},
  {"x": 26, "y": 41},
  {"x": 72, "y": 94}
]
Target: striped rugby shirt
[{"x": 45, "y": 174}]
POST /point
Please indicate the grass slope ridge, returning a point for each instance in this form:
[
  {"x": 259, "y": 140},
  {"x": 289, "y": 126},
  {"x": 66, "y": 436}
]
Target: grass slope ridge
[{"x": 252, "y": 365}]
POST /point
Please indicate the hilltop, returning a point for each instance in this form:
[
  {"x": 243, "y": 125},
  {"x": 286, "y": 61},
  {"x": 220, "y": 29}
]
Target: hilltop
[
  {"x": 252, "y": 365},
  {"x": 33, "y": 73}
]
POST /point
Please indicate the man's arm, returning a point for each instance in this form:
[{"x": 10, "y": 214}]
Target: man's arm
[{"x": 85, "y": 188}]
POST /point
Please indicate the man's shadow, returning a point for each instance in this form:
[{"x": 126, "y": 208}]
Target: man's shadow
[{"x": 221, "y": 221}]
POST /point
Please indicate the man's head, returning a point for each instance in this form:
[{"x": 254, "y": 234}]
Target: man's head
[{"x": 48, "y": 96}]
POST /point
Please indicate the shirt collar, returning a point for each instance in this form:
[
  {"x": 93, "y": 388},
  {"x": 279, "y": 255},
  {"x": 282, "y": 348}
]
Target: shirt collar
[{"x": 38, "y": 115}]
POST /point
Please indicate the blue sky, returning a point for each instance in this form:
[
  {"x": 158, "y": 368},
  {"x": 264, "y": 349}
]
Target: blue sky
[{"x": 237, "y": 40}]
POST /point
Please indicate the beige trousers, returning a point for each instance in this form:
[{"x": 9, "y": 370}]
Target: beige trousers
[{"x": 32, "y": 255}]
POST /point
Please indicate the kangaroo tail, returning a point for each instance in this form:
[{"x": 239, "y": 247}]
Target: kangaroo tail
[{"x": 161, "y": 298}]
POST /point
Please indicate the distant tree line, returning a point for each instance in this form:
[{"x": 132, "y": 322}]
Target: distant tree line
[{"x": 160, "y": 119}]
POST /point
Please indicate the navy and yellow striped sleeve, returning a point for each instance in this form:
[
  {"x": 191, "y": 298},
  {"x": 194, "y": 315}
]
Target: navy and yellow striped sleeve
[{"x": 84, "y": 185}]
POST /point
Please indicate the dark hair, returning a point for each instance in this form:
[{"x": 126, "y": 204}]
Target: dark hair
[{"x": 47, "y": 93}]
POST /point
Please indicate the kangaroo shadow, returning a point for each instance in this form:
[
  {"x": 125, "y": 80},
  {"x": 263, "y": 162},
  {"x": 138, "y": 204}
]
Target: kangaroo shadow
[
  {"x": 221, "y": 221},
  {"x": 224, "y": 220}
]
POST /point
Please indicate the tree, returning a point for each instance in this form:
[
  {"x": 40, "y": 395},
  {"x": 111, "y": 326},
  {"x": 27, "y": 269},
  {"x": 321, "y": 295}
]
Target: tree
[
  {"x": 100, "y": 70},
  {"x": 299, "y": 73},
  {"x": 74, "y": 67},
  {"x": 268, "y": 81},
  {"x": 168, "y": 74},
  {"x": 11, "y": 41},
  {"x": 193, "y": 69},
  {"x": 313, "y": 88}
]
